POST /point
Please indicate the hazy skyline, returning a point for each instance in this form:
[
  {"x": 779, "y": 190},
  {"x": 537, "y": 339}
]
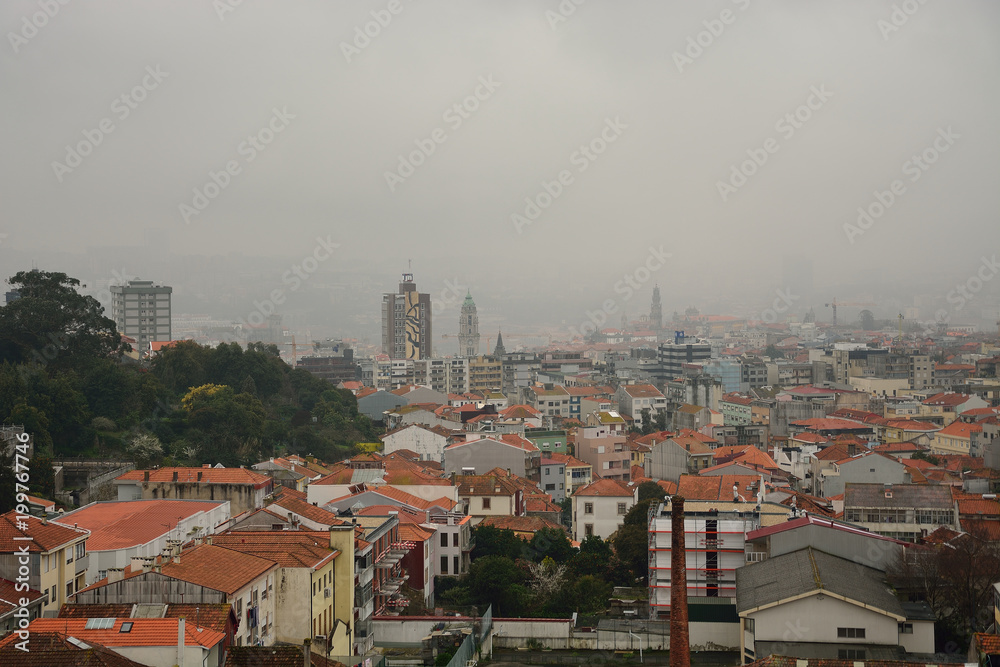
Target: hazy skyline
[{"x": 614, "y": 114}]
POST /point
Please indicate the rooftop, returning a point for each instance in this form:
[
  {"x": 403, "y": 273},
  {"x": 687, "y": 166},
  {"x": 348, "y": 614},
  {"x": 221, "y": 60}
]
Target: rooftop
[{"x": 122, "y": 524}]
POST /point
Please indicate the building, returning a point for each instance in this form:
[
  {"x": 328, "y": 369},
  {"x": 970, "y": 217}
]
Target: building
[
  {"x": 905, "y": 512},
  {"x": 485, "y": 374},
  {"x": 519, "y": 369},
  {"x": 314, "y": 595},
  {"x": 141, "y": 310},
  {"x": 600, "y": 507},
  {"x": 201, "y": 574},
  {"x": 154, "y": 642},
  {"x": 671, "y": 356},
  {"x": 736, "y": 410},
  {"x": 866, "y": 467},
  {"x": 656, "y": 310},
  {"x": 835, "y": 607},
  {"x": 427, "y": 443},
  {"x": 336, "y": 367},
  {"x": 577, "y": 473},
  {"x": 480, "y": 454},
  {"x": 671, "y": 458},
  {"x": 490, "y": 495},
  {"x": 406, "y": 322},
  {"x": 468, "y": 328},
  {"x": 120, "y": 531},
  {"x": 244, "y": 489},
  {"x": 553, "y": 479},
  {"x": 453, "y": 533},
  {"x": 11, "y": 594},
  {"x": 606, "y": 451},
  {"x": 551, "y": 400},
  {"x": 58, "y": 556},
  {"x": 955, "y": 438},
  {"x": 633, "y": 399}
]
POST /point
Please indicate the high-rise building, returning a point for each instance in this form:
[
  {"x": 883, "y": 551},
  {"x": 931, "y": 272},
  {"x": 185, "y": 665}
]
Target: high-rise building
[
  {"x": 656, "y": 311},
  {"x": 468, "y": 328},
  {"x": 682, "y": 350},
  {"x": 141, "y": 310},
  {"x": 406, "y": 322}
]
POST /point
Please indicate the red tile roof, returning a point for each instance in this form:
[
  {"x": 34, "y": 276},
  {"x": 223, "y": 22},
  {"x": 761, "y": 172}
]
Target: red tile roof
[
  {"x": 44, "y": 535},
  {"x": 520, "y": 524},
  {"x": 606, "y": 487},
  {"x": 405, "y": 514},
  {"x": 642, "y": 391},
  {"x": 54, "y": 649},
  {"x": 209, "y": 475},
  {"x": 695, "y": 487},
  {"x": 123, "y": 524},
  {"x": 10, "y": 596},
  {"x": 287, "y": 503},
  {"x": 827, "y": 424},
  {"x": 988, "y": 644},
  {"x": 210, "y": 566},
  {"x": 144, "y": 632},
  {"x": 960, "y": 429},
  {"x": 287, "y": 548},
  {"x": 947, "y": 399}
]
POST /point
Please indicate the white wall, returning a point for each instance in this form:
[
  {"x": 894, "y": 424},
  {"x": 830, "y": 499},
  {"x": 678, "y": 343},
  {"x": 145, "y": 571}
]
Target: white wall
[{"x": 816, "y": 619}]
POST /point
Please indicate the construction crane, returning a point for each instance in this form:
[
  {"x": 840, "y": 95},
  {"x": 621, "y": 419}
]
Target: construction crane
[
  {"x": 833, "y": 304},
  {"x": 295, "y": 350}
]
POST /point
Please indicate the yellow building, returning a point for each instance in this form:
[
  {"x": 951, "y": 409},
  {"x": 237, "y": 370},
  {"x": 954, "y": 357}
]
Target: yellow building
[
  {"x": 485, "y": 374},
  {"x": 955, "y": 438},
  {"x": 56, "y": 556}
]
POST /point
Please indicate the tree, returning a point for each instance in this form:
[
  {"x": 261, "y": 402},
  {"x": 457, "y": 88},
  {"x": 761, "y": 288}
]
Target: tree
[
  {"x": 550, "y": 543},
  {"x": 53, "y": 326},
  {"x": 773, "y": 352},
  {"x": 638, "y": 514},
  {"x": 593, "y": 558},
  {"x": 493, "y": 541},
  {"x": 43, "y": 476},
  {"x": 867, "y": 319},
  {"x": 497, "y": 580},
  {"x": 651, "y": 491},
  {"x": 146, "y": 448},
  {"x": 631, "y": 544}
]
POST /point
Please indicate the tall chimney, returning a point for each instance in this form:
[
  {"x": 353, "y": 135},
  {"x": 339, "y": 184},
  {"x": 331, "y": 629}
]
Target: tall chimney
[
  {"x": 180, "y": 642},
  {"x": 306, "y": 653},
  {"x": 680, "y": 648}
]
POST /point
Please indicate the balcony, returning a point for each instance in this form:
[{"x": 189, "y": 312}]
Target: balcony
[
  {"x": 389, "y": 558},
  {"x": 392, "y": 586}
]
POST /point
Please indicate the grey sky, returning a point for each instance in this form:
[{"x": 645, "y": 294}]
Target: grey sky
[{"x": 680, "y": 133}]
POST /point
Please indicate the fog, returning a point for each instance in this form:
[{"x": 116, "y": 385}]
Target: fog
[{"x": 535, "y": 153}]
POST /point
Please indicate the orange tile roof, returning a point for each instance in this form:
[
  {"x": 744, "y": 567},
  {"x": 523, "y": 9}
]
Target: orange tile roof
[
  {"x": 54, "y": 649},
  {"x": 485, "y": 485},
  {"x": 144, "y": 632},
  {"x": 642, "y": 391},
  {"x": 45, "y": 535},
  {"x": 405, "y": 514},
  {"x": 210, "y": 566},
  {"x": 287, "y": 548},
  {"x": 306, "y": 510},
  {"x": 209, "y": 475},
  {"x": 10, "y": 596},
  {"x": 123, "y": 524},
  {"x": 520, "y": 524},
  {"x": 567, "y": 460},
  {"x": 606, "y": 487},
  {"x": 987, "y": 643},
  {"x": 947, "y": 399},
  {"x": 695, "y": 487},
  {"x": 412, "y": 500},
  {"x": 960, "y": 429},
  {"x": 211, "y": 616},
  {"x": 411, "y": 532}
]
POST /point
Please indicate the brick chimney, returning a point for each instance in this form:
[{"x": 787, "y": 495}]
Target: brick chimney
[{"x": 680, "y": 648}]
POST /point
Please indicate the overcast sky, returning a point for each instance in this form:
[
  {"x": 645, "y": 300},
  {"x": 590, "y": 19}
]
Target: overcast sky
[{"x": 885, "y": 81}]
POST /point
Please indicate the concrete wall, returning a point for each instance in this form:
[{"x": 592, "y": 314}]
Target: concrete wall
[
  {"x": 484, "y": 455},
  {"x": 429, "y": 445},
  {"x": 816, "y": 619}
]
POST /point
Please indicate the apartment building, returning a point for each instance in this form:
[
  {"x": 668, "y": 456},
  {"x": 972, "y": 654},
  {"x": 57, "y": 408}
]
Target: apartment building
[{"x": 141, "y": 311}]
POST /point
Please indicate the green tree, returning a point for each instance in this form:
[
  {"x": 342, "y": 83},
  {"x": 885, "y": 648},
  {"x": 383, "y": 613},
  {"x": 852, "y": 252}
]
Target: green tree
[
  {"x": 773, "y": 352},
  {"x": 493, "y": 541},
  {"x": 550, "y": 543},
  {"x": 631, "y": 544},
  {"x": 53, "y": 326},
  {"x": 498, "y": 581},
  {"x": 651, "y": 491},
  {"x": 43, "y": 477},
  {"x": 593, "y": 558}
]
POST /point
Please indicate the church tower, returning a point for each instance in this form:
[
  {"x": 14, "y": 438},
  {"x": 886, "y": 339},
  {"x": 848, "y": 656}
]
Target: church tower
[
  {"x": 656, "y": 311},
  {"x": 499, "y": 350},
  {"x": 468, "y": 328}
]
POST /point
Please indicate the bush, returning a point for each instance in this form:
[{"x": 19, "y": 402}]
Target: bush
[{"x": 103, "y": 424}]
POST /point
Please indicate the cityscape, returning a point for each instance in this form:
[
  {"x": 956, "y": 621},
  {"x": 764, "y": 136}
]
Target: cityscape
[{"x": 547, "y": 332}]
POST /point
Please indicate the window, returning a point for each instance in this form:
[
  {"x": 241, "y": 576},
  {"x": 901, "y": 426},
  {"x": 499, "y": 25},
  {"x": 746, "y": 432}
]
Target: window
[
  {"x": 239, "y": 603},
  {"x": 749, "y": 625},
  {"x": 588, "y": 529},
  {"x": 547, "y": 472},
  {"x": 81, "y": 550},
  {"x": 906, "y": 628},
  {"x": 69, "y": 589},
  {"x": 621, "y": 508},
  {"x": 486, "y": 503},
  {"x": 454, "y": 539},
  {"x": 69, "y": 556},
  {"x": 444, "y": 539},
  {"x": 101, "y": 574},
  {"x": 444, "y": 565},
  {"x": 455, "y": 559},
  {"x": 588, "y": 508},
  {"x": 851, "y": 633},
  {"x": 46, "y": 560},
  {"x": 851, "y": 653},
  {"x": 126, "y": 627}
]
